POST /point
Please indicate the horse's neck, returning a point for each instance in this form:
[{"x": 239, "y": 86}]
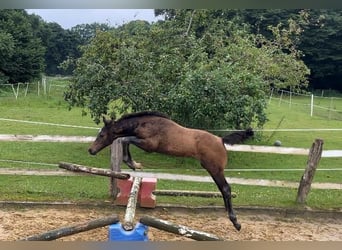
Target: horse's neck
[{"x": 126, "y": 127}]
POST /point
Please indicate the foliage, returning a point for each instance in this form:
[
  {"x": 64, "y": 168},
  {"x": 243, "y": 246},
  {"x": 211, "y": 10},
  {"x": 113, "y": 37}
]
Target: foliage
[
  {"x": 30, "y": 46},
  {"x": 203, "y": 70},
  {"x": 60, "y": 44},
  {"x": 86, "y": 32},
  {"x": 322, "y": 44},
  {"x": 21, "y": 52},
  {"x": 319, "y": 38}
]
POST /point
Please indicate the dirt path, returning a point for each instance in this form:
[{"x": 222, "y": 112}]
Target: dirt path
[{"x": 20, "y": 223}]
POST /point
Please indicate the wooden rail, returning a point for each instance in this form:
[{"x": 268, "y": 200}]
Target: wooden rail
[
  {"x": 240, "y": 148},
  {"x": 96, "y": 171},
  {"x": 131, "y": 205},
  {"x": 178, "y": 229},
  {"x": 70, "y": 230},
  {"x": 46, "y": 138}
]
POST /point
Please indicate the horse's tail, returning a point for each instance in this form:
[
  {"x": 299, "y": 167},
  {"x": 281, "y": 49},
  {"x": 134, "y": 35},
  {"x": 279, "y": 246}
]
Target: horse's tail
[{"x": 238, "y": 137}]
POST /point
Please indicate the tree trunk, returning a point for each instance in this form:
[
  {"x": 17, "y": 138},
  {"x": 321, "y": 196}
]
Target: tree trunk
[
  {"x": 306, "y": 180},
  {"x": 178, "y": 229},
  {"x": 96, "y": 171},
  {"x": 66, "y": 231}
]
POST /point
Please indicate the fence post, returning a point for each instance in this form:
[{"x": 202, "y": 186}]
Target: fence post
[
  {"x": 311, "y": 105},
  {"x": 115, "y": 165},
  {"x": 281, "y": 96},
  {"x": 306, "y": 180}
]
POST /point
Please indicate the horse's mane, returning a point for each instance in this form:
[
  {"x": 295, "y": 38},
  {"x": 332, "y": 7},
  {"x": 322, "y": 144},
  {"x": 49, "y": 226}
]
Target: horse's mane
[{"x": 143, "y": 113}]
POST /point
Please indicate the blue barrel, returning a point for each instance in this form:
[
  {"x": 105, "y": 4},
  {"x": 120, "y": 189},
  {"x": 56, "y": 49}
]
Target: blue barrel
[{"x": 117, "y": 233}]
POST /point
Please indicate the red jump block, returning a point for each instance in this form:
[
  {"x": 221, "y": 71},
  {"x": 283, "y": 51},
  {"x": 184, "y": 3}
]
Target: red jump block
[
  {"x": 146, "y": 198},
  {"x": 124, "y": 190}
]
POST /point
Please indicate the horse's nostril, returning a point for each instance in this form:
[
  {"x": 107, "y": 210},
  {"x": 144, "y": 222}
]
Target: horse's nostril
[{"x": 91, "y": 151}]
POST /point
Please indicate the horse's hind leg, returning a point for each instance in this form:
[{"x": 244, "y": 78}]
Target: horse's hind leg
[
  {"x": 127, "y": 158},
  {"x": 224, "y": 188}
]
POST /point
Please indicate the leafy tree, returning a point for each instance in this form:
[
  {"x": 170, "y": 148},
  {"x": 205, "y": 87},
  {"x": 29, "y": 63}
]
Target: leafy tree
[
  {"x": 60, "y": 45},
  {"x": 203, "y": 70},
  {"x": 21, "y": 52},
  {"x": 86, "y": 32},
  {"x": 321, "y": 43},
  {"x": 6, "y": 52},
  {"x": 319, "y": 38}
]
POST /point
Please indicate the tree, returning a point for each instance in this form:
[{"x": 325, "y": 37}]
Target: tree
[
  {"x": 21, "y": 52},
  {"x": 321, "y": 43},
  {"x": 203, "y": 70},
  {"x": 60, "y": 45},
  {"x": 86, "y": 32},
  {"x": 6, "y": 52},
  {"x": 319, "y": 38}
]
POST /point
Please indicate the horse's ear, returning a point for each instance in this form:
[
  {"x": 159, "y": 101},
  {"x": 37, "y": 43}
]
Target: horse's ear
[{"x": 105, "y": 121}]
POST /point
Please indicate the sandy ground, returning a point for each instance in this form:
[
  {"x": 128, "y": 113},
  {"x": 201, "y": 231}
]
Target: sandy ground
[{"x": 19, "y": 223}]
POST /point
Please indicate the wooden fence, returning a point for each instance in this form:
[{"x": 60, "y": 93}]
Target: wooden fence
[
  {"x": 241, "y": 148},
  {"x": 314, "y": 154}
]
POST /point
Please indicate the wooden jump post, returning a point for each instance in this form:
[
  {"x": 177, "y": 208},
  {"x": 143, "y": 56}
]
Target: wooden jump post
[
  {"x": 131, "y": 205},
  {"x": 178, "y": 229},
  {"x": 116, "y": 154},
  {"x": 66, "y": 231},
  {"x": 315, "y": 154},
  {"x": 127, "y": 231},
  {"x": 95, "y": 171}
]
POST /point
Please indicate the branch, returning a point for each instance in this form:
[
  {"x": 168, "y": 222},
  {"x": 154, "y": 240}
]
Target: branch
[{"x": 190, "y": 22}]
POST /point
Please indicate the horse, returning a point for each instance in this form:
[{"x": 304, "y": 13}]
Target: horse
[{"x": 155, "y": 132}]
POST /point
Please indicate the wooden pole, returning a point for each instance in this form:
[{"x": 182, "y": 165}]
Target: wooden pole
[
  {"x": 115, "y": 165},
  {"x": 178, "y": 229},
  {"x": 96, "y": 171},
  {"x": 66, "y": 231},
  {"x": 131, "y": 204},
  {"x": 204, "y": 194},
  {"x": 306, "y": 180}
]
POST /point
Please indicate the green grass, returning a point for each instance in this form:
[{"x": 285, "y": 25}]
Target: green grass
[
  {"x": 51, "y": 108},
  {"x": 93, "y": 188}
]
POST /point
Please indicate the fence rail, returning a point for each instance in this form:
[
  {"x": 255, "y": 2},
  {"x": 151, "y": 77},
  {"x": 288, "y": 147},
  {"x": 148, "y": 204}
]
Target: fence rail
[
  {"x": 244, "y": 148},
  {"x": 46, "y": 138},
  {"x": 241, "y": 148}
]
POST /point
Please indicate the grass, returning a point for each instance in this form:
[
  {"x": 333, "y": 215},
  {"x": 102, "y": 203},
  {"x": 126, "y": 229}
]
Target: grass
[
  {"x": 94, "y": 188},
  {"x": 51, "y": 108}
]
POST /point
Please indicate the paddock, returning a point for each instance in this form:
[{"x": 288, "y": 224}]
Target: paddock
[
  {"x": 23, "y": 222},
  {"x": 18, "y": 222}
]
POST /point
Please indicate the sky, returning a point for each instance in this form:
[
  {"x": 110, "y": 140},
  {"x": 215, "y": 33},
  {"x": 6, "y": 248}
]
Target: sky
[{"x": 68, "y": 18}]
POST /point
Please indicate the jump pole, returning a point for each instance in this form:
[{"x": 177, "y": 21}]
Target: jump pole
[
  {"x": 66, "y": 231},
  {"x": 178, "y": 229},
  {"x": 131, "y": 205},
  {"x": 91, "y": 170},
  {"x": 127, "y": 231}
]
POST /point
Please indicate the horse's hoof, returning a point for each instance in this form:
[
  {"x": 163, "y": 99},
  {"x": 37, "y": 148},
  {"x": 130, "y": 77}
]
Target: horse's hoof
[
  {"x": 237, "y": 226},
  {"x": 137, "y": 165}
]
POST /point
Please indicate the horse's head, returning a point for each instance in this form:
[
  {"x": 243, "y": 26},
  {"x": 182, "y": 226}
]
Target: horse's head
[{"x": 104, "y": 138}]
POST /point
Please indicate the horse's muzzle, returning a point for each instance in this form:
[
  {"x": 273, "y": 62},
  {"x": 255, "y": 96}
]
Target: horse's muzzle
[{"x": 91, "y": 151}]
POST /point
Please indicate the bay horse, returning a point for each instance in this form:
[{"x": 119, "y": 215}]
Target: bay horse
[{"x": 155, "y": 132}]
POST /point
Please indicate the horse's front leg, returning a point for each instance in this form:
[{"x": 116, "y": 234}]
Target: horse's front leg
[{"x": 127, "y": 158}]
